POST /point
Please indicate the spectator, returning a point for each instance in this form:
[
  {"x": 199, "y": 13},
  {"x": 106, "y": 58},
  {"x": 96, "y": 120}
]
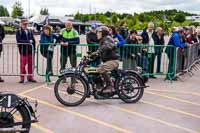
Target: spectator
[
  {"x": 122, "y": 30},
  {"x": 142, "y": 60},
  {"x": 68, "y": 36},
  {"x": 46, "y": 41},
  {"x": 132, "y": 38},
  {"x": 175, "y": 40},
  {"x": 188, "y": 34},
  {"x": 57, "y": 29},
  {"x": 159, "y": 40},
  {"x": 148, "y": 35},
  {"x": 26, "y": 45},
  {"x": 198, "y": 39},
  {"x": 194, "y": 34},
  {"x": 118, "y": 39},
  {"x": 2, "y": 36},
  {"x": 130, "y": 52},
  {"x": 198, "y": 35},
  {"x": 92, "y": 38}
]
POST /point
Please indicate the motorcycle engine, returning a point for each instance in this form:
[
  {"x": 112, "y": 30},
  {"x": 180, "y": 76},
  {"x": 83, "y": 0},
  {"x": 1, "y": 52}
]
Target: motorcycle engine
[{"x": 98, "y": 82}]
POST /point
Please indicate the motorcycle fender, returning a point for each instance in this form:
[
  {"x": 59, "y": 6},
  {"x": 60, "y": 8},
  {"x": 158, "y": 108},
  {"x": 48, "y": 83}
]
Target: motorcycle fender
[{"x": 136, "y": 74}]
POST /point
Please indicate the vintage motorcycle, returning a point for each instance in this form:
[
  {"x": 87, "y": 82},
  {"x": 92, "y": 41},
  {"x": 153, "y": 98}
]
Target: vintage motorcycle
[
  {"x": 76, "y": 84},
  {"x": 16, "y": 114}
]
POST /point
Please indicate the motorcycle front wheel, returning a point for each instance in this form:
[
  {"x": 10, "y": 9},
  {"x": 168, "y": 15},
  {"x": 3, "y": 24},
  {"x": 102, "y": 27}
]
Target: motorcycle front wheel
[{"x": 70, "y": 90}]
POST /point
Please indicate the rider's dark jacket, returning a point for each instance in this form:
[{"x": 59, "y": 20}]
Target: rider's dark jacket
[{"x": 107, "y": 49}]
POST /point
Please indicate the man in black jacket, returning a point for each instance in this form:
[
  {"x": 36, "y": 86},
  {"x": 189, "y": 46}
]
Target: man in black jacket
[
  {"x": 92, "y": 38},
  {"x": 159, "y": 40},
  {"x": 2, "y": 36}
]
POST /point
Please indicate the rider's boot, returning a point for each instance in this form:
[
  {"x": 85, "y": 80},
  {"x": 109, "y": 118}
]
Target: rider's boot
[{"x": 109, "y": 87}]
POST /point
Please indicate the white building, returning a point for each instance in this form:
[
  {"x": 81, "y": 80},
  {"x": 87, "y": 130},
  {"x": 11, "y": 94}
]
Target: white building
[{"x": 193, "y": 18}]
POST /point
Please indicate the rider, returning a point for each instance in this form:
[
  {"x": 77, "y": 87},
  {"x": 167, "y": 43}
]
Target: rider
[{"x": 108, "y": 53}]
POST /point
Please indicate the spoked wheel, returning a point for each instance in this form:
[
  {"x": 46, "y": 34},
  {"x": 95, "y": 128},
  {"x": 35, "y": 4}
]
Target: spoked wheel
[
  {"x": 70, "y": 90},
  {"x": 17, "y": 115},
  {"x": 130, "y": 89}
]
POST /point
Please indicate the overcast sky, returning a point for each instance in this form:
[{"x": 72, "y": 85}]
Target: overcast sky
[{"x": 62, "y": 7}]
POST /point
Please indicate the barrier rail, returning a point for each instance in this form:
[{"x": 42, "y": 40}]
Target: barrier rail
[
  {"x": 156, "y": 60},
  {"x": 131, "y": 55},
  {"x": 188, "y": 59},
  {"x": 11, "y": 60}
]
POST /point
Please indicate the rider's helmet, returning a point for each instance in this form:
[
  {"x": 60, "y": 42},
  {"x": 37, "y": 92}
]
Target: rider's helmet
[{"x": 104, "y": 30}]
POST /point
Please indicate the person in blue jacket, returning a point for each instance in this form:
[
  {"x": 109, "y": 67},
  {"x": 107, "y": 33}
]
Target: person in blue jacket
[
  {"x": 46, "y": 48},
  {"x": 175, "y": 40},
  {"x": 118, "y": 39}
]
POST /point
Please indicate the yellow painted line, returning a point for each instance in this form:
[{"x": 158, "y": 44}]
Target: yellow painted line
[
  {"x": 173, "y": 98},
  {"x": 145, "y": 116},
  {"x": 160, "y": 121},
  {"x": 171, "y": 109},
  {"x": 45, "y": 130},
  {"x": 179, "y": 92},
  {"x": 154, "y": 104},
  {"x": 81, "y": 115},
  {"x": 31, "y": 90}
]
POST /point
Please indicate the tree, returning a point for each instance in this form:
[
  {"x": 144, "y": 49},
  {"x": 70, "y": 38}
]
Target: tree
[
  {"x": 85, "y": 18},
  {"x": 114, "y": 18},
  {"x": 108, "y": 14},
  {"x": 3, "y": 11},
  {"x": 77, "y": 16},
  {"x": 179, "y": 17},
  {"x": 17, "y": 9},
  {"x": 141, "y": 17},
  {"x": 44, "y": 11}
]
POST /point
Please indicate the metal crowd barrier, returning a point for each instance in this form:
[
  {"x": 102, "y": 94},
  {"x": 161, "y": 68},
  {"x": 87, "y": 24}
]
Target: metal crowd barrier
[
  {"x": 59, "y": 57},
  {"x": 188, "y": 59},
  {"x": 10, "y": 59},
  {"x": 154, "y": 60}
]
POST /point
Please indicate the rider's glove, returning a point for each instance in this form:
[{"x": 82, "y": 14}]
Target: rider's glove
[{"x": 94, "y": 55}]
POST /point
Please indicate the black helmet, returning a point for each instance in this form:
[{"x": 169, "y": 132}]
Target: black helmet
[{"x": 104, "y": 30}]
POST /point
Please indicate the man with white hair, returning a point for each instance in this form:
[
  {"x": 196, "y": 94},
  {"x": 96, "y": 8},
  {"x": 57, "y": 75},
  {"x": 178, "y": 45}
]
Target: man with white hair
[
  {"x": 148, "y": 35},
  {"x": 68, "y": 38}
]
